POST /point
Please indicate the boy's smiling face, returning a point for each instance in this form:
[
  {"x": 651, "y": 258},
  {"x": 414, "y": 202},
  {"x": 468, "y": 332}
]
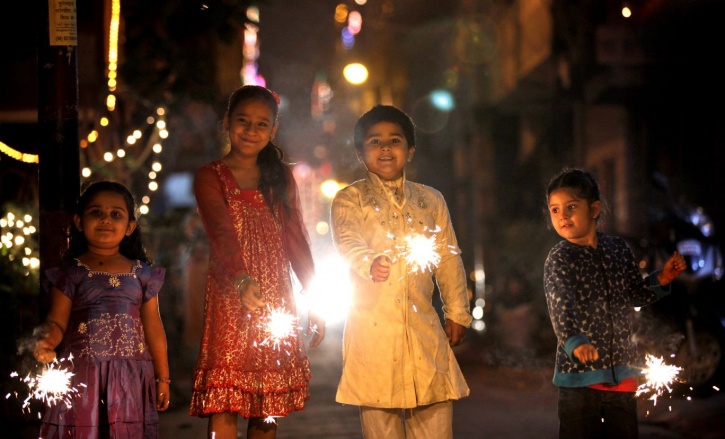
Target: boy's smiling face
[{"x": 385, "y": 151}]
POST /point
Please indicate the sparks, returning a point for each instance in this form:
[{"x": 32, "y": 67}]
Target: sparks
[
  {"x": 279, "y": 326},
  {"x": 270, "y": 420},
  {"x": 422, "y": 251},
  {"x": 51, "y": 385},
  {"x": 659, "y": 376}
]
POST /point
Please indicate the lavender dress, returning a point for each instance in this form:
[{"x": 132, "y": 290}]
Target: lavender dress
[{"x": 114, "y": 374}]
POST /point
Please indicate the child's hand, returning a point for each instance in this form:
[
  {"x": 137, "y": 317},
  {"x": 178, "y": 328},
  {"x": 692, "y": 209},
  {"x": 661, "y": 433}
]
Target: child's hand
[
  {"x": 673, "y": 267},
  {"x": 163, "y": 398},
  {"x": 44, "y": 352},
  {"x": 316, "y": 327},
  {"x": 249, "y": 290},
  {"x": 380, "y": 269},
  {"x": 456, "y": 333},
  {"x": 586, "y": 352}
]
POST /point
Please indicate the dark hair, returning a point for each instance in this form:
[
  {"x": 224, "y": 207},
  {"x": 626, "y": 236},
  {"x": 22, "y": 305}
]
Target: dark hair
[
  {"x": 383, "y": 113},
  {"x": 580, "y": 181},
  {"x": 273, "y": 179},
  {"x": 131, "y": 246}
]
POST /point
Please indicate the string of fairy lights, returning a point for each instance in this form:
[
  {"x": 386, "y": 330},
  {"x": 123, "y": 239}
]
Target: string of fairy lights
[
  {"x": 17, "y": 241},
  {"x": 152, "y": 146}
]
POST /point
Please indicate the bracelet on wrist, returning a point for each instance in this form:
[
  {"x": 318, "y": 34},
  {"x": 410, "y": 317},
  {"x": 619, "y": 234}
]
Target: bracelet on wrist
[
  {"x": 163, "y": 380},
  {"x": 50, "y": 323},
  {"x": 242, "y": 280}
]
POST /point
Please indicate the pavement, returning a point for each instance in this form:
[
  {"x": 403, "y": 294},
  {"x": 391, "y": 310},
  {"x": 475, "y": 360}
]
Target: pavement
[{"x": 509, "y": 399}]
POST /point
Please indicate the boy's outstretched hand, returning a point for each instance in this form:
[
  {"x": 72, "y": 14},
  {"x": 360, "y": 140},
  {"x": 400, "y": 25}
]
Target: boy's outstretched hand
[
  {"x": 456, "y": 333},
  {"x": 380, "y": 269},
  {"x": 673, "y": 267}
]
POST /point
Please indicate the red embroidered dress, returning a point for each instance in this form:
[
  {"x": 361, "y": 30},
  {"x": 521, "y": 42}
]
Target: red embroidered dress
[{"x": 237, "y": 371}]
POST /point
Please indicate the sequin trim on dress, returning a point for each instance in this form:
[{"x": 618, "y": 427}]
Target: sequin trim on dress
[{"x": 113, "y": 335}]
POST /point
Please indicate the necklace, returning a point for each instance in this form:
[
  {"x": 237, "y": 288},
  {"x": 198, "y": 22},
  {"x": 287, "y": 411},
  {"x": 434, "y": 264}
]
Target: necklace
[{"x": 103, "y": 259}]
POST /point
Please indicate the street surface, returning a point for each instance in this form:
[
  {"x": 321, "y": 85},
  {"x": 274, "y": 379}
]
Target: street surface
[{"x": 508, "y": 400}]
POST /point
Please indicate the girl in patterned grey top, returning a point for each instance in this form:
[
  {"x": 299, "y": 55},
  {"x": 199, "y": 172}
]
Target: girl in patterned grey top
[{"x": 592, "y": 283}]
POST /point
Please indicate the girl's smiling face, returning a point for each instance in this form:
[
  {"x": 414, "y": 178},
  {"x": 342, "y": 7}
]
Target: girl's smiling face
[
  {"x": 105, "y": 221},
  {"x": 574, "y": 218},
  {"x": 251, "y": 126},
  {"x": 385, "y": 150}
]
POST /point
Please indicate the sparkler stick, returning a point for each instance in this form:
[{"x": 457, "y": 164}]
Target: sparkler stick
[{"x": 659, "y": 376}]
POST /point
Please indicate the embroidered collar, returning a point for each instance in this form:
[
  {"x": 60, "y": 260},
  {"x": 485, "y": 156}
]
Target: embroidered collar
[{"x": 394, "y": 189}]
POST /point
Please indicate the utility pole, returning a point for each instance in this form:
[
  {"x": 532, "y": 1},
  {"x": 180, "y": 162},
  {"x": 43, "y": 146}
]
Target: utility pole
[{"x": 58, "y": 138}]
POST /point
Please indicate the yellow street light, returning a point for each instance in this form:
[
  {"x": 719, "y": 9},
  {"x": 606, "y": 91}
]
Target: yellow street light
[{"x": 355, "y": 73}]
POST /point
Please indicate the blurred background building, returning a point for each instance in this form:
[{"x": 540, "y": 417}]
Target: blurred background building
[{"x": 504, "y": 94}]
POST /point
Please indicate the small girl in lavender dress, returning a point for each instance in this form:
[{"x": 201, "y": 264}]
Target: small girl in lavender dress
[{"x": 105, "y": 318}]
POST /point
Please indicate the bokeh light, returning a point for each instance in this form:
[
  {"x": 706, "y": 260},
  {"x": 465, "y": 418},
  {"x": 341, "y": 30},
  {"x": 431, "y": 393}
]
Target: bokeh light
[
  {"x": 442, "y": 100},
  {"x": 355, "y": 73},
  {"x": 329, "y": 188},
  {"x": 331, "y": 291}
]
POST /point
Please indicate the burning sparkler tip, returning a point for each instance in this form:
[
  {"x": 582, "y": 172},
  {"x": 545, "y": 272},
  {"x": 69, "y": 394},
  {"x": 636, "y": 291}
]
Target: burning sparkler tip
[
  {"x": 51, "y": 385},
  {"x": 659, "y": 376}
]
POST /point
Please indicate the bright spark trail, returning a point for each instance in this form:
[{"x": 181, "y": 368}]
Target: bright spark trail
[
  {"x": 421, "y": 251},
  {"x": 51, "y": 385},
  {"x": 659, "y": 376},
  {"x": 280, "y": 325}
]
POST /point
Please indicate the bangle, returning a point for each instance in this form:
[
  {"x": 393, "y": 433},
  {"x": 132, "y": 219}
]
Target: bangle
[
  {"x": 48, "y": 323},
  {"x": 242, "y": 280},
  {"x": 163, "y": 380}
]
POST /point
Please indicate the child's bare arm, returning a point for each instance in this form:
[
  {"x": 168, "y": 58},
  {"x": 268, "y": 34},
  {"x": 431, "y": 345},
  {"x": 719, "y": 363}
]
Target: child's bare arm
[
  {"x": 672, "y": 268},
  {"x": 55, "y": 326},
  {"x": 155, "y": 337}
]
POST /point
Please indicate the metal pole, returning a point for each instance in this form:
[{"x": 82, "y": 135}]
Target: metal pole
[{"x": 58, "y": 138}]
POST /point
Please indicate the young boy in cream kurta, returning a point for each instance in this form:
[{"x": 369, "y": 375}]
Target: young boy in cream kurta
[{"x": 398, "y": 365}]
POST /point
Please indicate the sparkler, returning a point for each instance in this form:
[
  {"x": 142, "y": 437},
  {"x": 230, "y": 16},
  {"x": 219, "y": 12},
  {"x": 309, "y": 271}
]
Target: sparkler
[
  {"x": 51, "y": 385},
  {"x": 421, "y": 251},
  {"x": 279, "y": 326},
  {"x": 269, "y": 420},
  {"x": 659, "y": 376}
]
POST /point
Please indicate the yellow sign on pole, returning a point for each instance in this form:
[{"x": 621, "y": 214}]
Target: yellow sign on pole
[{"x": 62, "y": 23}]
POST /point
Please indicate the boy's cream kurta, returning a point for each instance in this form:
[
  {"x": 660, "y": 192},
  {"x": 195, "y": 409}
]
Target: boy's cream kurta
[{"x": 395, "y": 350}]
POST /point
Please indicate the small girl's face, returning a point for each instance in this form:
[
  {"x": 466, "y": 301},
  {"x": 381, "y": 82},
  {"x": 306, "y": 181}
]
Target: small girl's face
[
  {"x": 574, "y": 218},
  {"x": 385, "y": 150},
  {"x": 251, "y": 126},
  {"x": 105, "y": 221}
]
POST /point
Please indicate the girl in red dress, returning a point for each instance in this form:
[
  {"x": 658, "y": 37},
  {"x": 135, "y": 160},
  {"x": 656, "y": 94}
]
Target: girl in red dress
[{"x": 249, "y": 205}]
